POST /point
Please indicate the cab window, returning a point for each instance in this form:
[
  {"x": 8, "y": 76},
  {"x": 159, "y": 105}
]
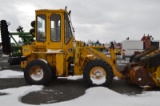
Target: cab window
[
  {"x": 41, "y": 28},
  {"x": 55, "y": 27},
  {"x": 68, "y": 32}
]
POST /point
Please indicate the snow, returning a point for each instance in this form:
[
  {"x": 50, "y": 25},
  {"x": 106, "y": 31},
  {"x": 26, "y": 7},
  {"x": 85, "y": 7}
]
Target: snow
[
  {"x": 44, "y": 60},
  {"x": 95, "y": 96},
  {"x": 14, "y": 94},
  {"x": 11, "y": 74},
  {"x": 90, "y": 55},
  {"x": 99, "y": 81},
  {"x": 53, "y": 51},
  {"x": 76, "y": 77},
  {"x": 116, "y": 78}
]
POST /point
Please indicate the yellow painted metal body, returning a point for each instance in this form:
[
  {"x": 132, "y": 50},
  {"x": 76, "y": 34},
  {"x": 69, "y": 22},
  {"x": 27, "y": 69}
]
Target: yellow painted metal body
[
  {"x": 117, "y": 51},
  {"x": 60, "y": 66},
  {"x": 85, "y": 54},
  {"x": 60, "y": 54},
  {"x": 155, "y": 71},
  {"x": 155, "y": 74}
]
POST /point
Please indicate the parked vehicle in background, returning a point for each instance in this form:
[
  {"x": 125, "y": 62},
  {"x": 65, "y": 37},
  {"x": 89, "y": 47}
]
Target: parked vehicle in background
[{"x": 132, "y": 47}]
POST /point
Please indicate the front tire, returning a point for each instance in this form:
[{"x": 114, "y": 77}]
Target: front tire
[
  {"x": 98, "y": 73},
  {"x": 38, "y": 72}
]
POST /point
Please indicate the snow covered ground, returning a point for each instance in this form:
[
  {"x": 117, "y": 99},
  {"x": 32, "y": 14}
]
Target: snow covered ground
[
  {"x": 11, "y": 74},
  {"x": 96, "y": 96}
]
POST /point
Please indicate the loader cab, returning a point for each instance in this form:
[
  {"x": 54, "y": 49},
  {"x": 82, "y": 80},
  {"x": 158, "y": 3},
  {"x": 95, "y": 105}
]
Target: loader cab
[{"x": 53, "y": 29}]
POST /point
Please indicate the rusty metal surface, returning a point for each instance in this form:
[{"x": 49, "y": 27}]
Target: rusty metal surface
[
  {"x": 141, "y": 77},
  {"x": 135, "y": 73},
  {"x": 127, "y": 69}
]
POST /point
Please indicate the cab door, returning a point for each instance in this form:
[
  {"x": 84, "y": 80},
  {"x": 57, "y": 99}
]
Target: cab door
[{"x": 55, "y": 33}]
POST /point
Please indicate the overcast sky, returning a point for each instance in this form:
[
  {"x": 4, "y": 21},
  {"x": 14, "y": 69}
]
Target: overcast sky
[{"x": 103, "y": 20}]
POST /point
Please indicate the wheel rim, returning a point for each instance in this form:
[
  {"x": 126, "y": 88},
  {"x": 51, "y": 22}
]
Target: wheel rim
[
  {"x": 98, "y": 75},
  {"x": 36, "y": 73}
]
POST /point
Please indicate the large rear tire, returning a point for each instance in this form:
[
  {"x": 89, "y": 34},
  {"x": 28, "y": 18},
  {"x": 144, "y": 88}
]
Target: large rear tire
[
  {"x": 38, "y": 72},
  {"x": 98, "y": 73}
]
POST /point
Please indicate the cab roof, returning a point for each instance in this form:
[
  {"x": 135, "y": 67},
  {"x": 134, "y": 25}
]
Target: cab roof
[{"x": 51, "y": 10}]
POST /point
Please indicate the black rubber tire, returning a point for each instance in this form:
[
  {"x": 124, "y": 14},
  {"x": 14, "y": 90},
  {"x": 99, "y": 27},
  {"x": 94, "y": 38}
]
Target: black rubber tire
[
  {"x": 33, "y": 24},
  {"x": 48, "y": 73},
  {"x": 5, "y": 37},
  {"x": 99, "y": 63},
  {"x": 16, "y": 60},
  {"x": 32, "y": 32}
]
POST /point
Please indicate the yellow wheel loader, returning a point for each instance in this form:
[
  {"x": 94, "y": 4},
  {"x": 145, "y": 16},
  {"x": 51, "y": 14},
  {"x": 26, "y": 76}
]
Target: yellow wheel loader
[{"x": 56, "y": 53}]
